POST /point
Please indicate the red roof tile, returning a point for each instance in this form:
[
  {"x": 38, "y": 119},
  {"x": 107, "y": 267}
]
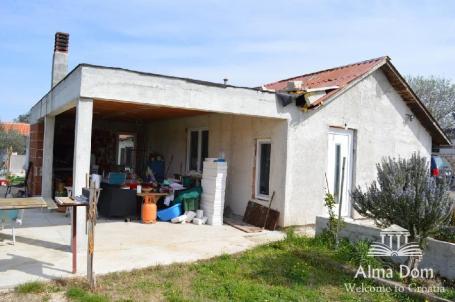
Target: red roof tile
[
  {"x": 22, "y": 128},
  {"x": 338, "y": 76},
  {"x": 344, "y": 75}
]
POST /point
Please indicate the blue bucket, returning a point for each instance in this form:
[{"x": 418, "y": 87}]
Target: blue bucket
[{"x": 171, "y": 212}]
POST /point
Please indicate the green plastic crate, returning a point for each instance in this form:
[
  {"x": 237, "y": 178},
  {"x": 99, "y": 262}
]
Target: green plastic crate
[{"x": 190, "y": 204}]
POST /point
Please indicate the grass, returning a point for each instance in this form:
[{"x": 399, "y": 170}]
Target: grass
[
  {"x": 31, "y": 287},
  {"x": 295, "y": 269}
]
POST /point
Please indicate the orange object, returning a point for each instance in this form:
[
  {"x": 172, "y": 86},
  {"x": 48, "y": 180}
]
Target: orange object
[{"x": 149, "y": 210}]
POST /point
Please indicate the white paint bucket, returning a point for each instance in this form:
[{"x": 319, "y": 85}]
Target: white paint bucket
[{"x": 96, "y": 180}]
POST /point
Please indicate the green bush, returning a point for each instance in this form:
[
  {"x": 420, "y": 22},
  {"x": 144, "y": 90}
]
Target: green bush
[
  {"x": 405, "y": 194},
  {"x": 446, "y": 234}
]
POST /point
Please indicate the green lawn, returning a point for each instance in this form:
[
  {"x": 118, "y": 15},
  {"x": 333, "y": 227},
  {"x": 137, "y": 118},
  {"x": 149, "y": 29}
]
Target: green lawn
[{"x": 296, "y": 269}]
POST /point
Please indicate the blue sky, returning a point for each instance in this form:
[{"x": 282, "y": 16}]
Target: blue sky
[{"x": 249, "y": 42}]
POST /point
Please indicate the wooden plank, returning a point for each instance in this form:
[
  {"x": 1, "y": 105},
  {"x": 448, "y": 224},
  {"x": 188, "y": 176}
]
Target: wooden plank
[
  {"x": 69, "y": 202},
  {"x": 22, "y": 203},
  {"x": 241, "y": 225},
  {"x": 255, "y": 214}
]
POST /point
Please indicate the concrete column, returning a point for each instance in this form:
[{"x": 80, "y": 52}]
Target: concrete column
[
  {"x": 48, "y": 156},
  {"x": 81, "y": 162}
]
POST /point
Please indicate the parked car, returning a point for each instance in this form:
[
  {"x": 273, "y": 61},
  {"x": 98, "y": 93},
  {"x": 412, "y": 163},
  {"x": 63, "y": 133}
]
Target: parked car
[{"x": 440, "y": 167}]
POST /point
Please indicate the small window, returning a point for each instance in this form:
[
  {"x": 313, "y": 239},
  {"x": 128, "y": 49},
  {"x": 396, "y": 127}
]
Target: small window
[
  {"x": 198, "y": 149},
  {"x": 264, "y": 148}
]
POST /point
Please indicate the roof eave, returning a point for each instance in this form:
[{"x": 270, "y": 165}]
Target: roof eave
[{"x": 409, "y": 96}]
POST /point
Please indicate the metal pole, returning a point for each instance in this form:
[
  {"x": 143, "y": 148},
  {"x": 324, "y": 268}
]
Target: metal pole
[{"x": 340, "y": 204}]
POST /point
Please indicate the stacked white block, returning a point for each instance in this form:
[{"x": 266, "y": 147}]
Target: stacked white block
[{"x": 213, "y": 191}]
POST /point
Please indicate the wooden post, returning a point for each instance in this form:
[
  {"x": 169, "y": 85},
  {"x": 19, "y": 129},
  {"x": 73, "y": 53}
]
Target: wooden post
[{"x": 91, "y": 222}]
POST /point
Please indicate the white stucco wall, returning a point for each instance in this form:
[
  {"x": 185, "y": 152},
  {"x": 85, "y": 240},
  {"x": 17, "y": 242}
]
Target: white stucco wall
[
  {"x": 377, "y": 114},
  {"x": 137, "y": 87},
  {"x": 236, "y": 137}
]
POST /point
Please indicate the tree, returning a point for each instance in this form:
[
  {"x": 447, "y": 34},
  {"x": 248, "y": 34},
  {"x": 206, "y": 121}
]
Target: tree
[
  {"x": 438, "y": 95},
  {"x": 23, "y": 118},
  {"x": 405, "y": 194},
  {"x": 11, "y": 138}
]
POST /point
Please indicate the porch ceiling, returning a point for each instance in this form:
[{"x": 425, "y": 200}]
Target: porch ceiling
[{"x": 121, "y": 111}]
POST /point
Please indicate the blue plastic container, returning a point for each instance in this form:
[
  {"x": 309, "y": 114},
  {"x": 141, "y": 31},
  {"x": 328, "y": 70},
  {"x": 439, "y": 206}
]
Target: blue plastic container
[
  {"x": 171, "y": 212},
  {"x": 8, "y": 215},
  {"x": 116, "y": 178}
]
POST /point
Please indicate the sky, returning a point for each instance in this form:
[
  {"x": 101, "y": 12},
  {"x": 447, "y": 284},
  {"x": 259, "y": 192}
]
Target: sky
[{"x": 248, "y": 42}]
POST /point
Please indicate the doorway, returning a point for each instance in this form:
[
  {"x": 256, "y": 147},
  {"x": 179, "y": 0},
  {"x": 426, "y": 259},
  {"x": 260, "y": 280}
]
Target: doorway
[{"x": 339, "y": 178}]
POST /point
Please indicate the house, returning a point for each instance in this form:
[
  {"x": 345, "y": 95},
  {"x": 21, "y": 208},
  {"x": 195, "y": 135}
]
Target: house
[
  {"x": 14, "y": 162},
  {"x": 291, "y": 136},
  {"x": 21, "y": 128}
]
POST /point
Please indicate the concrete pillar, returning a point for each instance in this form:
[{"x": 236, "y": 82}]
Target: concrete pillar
[
  {"x": 81, "y": 162},
  {"x": 48, "y": 155}
]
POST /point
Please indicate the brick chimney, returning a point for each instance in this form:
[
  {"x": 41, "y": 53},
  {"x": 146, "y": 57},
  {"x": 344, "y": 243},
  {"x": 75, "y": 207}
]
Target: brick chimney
[{"x": 60, "y": 58}]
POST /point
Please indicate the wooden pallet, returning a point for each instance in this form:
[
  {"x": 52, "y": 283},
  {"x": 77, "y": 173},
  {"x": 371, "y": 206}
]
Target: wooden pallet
[{"x": 255, "y": 214}]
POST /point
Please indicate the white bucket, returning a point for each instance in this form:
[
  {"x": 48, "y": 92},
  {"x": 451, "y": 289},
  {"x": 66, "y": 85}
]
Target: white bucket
[{"x": 96, "y": 178}]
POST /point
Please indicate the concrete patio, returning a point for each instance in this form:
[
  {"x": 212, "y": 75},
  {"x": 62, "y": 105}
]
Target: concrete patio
[{"x": 42, "y": 250}]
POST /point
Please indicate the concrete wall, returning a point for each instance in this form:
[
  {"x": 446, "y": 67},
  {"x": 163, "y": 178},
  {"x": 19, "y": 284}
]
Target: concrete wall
[
  {"x": 437, "y": 254},
  {"x": 377, "y": 114},
  {"x": 354, "y": 231},
  {"x": 131, "y": 86},
  {"x": 17, "y": 164},
  {"x": 236, "y": 137},
  {"x": 440, "y": 255},
  {"x": 59, "y": 99}
]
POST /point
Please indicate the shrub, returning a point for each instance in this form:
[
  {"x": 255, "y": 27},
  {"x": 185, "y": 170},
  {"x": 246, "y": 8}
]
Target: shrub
[
  {"x": 405, "y": 194},
  {"x": 446, "y": 234},
  {"x": 335, "y": 223},
  {"x": 356, "y": 253}
]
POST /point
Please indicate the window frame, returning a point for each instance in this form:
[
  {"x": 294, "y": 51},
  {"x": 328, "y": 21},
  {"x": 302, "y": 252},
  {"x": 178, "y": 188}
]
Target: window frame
[
  {"x": 199, "y": 148},
  {"x": 257, "y": 193},
  {"x": 117, "y": 151}
]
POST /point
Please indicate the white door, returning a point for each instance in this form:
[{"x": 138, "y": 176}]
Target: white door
[{"x": 340, "y": 147}]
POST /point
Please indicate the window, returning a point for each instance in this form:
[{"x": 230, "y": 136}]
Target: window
[
  {"x": 198, "y": 148},
  {"x": 263, "y": 150},
  {"x": 126, "y": 150}
]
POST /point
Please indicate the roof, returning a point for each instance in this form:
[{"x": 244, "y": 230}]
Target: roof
[
  {"x": 22, "y": 128},
  {"x": 344, "y": 77},
  {"x": 338, "y": 76}
]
